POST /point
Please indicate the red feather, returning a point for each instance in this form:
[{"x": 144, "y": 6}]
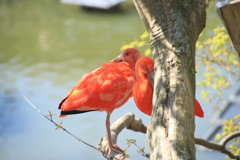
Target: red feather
[{"x": 143, "y": 89}]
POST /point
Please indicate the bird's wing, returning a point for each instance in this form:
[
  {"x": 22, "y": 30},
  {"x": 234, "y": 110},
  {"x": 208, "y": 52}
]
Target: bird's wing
[{"x": 105, "y": 89}]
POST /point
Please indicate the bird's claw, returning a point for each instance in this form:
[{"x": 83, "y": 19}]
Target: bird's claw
[{"x": 114, "y": 148}]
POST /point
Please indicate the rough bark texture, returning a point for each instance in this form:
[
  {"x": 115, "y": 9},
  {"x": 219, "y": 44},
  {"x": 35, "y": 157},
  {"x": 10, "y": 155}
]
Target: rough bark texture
[{"x": 174, "y": 27}]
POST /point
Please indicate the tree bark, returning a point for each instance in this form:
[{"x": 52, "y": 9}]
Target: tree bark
[{"x": 174, "y": 27}]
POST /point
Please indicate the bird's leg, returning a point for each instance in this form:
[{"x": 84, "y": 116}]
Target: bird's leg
[
  {"x": 109, "y": 131},
  {"x": 111, "y": 146}
]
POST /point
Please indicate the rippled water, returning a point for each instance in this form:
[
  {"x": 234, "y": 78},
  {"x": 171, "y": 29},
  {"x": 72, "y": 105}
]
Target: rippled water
[{"x": 45, "y": 48}]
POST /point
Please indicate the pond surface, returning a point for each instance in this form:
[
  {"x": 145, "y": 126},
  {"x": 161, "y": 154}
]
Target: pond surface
[{"x": 45, "y": 48}]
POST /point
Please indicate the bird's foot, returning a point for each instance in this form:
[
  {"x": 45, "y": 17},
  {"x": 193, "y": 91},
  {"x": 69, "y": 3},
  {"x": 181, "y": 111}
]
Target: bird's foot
[{"x": 114, "y": 148}]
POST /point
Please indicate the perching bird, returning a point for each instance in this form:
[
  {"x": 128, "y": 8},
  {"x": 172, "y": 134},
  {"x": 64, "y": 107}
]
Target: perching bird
[
  {"x": 143, "y": 89},
  {"x": 104, "y": 89}
]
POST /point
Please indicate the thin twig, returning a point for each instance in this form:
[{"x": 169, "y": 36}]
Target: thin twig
[
  {"x": 226, "y": 67},
  {"x": 59, "y": 126},
  {"x": 64, "y": 129},
  {"x": 143, "y": 153},
  {"x": 130, "y": 122}
]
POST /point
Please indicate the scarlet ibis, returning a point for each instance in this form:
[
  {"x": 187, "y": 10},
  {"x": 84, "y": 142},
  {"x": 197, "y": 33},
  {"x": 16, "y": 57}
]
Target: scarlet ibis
[
  {"x": 104, "y": 89},
  {"x": 143, "y": 89}
]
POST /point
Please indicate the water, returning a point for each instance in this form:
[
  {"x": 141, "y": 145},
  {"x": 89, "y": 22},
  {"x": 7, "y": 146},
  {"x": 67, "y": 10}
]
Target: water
[{"x": 45, "y": 48}]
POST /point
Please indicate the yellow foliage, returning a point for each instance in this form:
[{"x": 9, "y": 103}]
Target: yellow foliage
[
  {"x": 217, "y": 55},
  {"x": 143, "y": 42},
  {"x": 148, "y": 52},
  {"x": 230, "y": 126}
]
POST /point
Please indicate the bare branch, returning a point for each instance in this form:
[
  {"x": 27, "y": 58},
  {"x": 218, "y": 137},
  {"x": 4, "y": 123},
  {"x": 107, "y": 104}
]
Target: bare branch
[
  {"x": 221, "y": 146},
  {"x": 134, "y": 123},
  {"x": 131, "y": 122},
  {"x": 128, "y": 121},
  {"x": 59, "y": 125}
]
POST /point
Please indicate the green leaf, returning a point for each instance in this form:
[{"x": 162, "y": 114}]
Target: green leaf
[
  {"x": 217, "y": 137},
  {"x": 59, "y": 126},
  {"x": 237, "y": 151},
  {"x": 237, "y": 116},
  {"x": 141, "y": 151},
  {"x": 148, "y": 52},
  {"x": 204, "y": 94}
]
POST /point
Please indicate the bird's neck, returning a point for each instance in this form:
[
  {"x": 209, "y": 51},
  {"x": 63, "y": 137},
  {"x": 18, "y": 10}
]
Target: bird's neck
[
  {"x": 141, "y": 76},
  {"x": 130, "y": 64}
]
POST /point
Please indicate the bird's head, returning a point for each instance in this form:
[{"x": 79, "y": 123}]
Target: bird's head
[
  {"x": 145, "y": 65},
  {"x": 129, "y": 55}
]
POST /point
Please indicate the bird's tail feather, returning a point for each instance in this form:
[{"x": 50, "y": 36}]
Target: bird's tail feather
[{"x": 64, "y": 113}]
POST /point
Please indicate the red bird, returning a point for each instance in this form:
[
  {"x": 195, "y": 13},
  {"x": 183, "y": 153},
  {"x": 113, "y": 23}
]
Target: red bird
[
  {"x": 104, "y": 89},
  {"x": 143, "y": 89}
]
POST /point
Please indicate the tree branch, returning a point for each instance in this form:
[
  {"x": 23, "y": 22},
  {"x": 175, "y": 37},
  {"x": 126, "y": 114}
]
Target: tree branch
[
  {"x": 218, "y": 62},
  {"x": 130, "y": 122},
  {"x": 59, "y": 126},
  {"x": 221, "y": 146},
  {"x": 135, "y": 123}
]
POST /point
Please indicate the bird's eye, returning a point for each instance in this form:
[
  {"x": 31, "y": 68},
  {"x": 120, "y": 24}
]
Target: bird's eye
[
  {"x": 126, "y": 53},
  {"x": 148, "y": 68}
]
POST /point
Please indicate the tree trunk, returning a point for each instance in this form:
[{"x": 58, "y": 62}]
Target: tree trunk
[{"x": 174, "y": 27}]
